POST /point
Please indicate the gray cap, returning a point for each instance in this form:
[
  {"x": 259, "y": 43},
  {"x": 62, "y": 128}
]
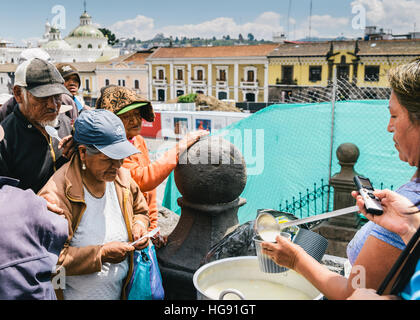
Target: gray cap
[{"x": 40, "y": 78}]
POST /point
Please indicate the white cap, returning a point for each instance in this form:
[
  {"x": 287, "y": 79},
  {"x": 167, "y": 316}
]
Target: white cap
[
  {"x": 33, "y": 53},
  {"x": 4, "y": 97}
]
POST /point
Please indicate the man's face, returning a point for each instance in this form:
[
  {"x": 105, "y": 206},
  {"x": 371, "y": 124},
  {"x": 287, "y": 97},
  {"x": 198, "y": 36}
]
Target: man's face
[
  {"x": 72, "y": 84},
  {"x": 43, "y": 111}
]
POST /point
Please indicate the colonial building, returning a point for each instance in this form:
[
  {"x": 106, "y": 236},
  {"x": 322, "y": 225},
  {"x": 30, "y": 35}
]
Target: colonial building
[
  {"x": 308, "y": 68},
  {"x": 129, "y": 71},
  {"x": 237, "y": 73}
]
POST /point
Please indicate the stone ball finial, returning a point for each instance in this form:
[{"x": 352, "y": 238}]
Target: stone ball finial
[
  {"x": 348, "y": 153},
  {"x": 212, "y": 171}
]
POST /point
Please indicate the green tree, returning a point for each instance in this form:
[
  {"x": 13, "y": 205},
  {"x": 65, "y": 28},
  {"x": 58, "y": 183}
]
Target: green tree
[
  {"x": 112, "y": 39},
  {"x": 251, "y": 37}
]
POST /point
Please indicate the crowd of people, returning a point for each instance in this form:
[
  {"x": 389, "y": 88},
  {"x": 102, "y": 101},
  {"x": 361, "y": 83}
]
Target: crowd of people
[
  {"x": 98, "y": 177},
  {"x": 77, "y": 203}
]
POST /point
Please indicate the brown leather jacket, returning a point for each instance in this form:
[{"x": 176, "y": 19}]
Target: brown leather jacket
[{"x": 65, "y": 188}]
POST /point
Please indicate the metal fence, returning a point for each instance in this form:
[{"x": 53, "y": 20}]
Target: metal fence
[
  {"x": 316, "y": 201},
  {"x": 319, "y": 199}
]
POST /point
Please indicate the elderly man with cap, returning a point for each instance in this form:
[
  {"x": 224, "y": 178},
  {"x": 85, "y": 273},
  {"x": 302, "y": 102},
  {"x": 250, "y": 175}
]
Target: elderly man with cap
[
  {"x": 31, "y": 239},
  {"x": 27, "y": 152},
  {"x": 11, "y": 104}
]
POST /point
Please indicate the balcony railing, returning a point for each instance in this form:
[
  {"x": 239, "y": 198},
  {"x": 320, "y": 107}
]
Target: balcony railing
[
  {"x": 199, "y": 83},
  {"x": 249, "y": 84},
  {"x": 159, "y": 82},
  {"x": 221, "y": 83}
]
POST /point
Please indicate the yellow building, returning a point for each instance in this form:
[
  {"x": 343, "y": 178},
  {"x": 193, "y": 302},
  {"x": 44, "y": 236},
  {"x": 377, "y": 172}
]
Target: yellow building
[
  {"x": 296, "y": 67},
  {"x": 238, "y": 73}
]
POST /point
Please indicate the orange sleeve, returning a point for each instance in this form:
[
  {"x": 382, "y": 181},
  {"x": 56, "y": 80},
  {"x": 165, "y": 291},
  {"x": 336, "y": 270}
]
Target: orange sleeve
[{"x": 150, "y": 175}]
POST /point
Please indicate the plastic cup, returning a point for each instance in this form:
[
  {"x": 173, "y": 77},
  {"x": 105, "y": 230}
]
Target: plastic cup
[{"x": 266, "y": 264}]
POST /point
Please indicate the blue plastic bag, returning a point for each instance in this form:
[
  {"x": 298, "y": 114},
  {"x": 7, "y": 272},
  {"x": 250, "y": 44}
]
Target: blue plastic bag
[{"x": 146, "y": 281}]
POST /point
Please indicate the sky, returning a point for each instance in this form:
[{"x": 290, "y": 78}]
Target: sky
[{"x": 22, "y": 21}]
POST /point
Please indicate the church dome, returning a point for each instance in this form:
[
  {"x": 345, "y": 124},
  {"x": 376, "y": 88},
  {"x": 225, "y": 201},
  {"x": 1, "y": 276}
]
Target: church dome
[{"x": 86, "y": 31}]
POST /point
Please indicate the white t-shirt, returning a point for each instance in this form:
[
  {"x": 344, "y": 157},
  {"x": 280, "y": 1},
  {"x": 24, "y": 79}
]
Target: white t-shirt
[{"x": 101, "y": 223}]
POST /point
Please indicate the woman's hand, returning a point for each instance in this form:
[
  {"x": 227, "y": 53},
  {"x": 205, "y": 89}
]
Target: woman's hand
[
  {"x": 159, "y": 241},
  {"x": 115, "y": 252},
  {"x": 400, "y": 215},
  {"x": 139, "y": 231},
  {"x": 190, "y": 139},
  {"x": 285, "y": 253}
]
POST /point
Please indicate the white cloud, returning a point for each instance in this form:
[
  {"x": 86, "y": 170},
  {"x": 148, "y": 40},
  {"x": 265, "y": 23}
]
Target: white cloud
[{"x": 143, "y": 28}]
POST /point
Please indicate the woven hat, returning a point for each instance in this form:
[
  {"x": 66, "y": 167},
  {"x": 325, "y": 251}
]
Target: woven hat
[{"x": 120, "y": 100}]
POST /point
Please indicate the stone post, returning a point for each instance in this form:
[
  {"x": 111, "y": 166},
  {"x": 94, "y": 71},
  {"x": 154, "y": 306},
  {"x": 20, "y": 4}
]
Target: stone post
[
  {"x": 340, "y": 231},
  {"x": 343, "y": 184}
]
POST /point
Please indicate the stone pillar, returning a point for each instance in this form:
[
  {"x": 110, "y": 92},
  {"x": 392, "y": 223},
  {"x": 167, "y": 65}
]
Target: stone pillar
[
  {"x": 211, "y": 176},
  {"x": 340, "y": 231},
  {"x": 343, "y": 184}
]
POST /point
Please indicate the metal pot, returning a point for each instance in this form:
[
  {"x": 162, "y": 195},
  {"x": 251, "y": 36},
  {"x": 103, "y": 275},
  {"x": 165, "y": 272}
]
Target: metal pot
[{"x": 241, "y": 278}]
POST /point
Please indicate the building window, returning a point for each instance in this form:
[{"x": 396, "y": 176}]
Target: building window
[
  {"x": 106, "y": 82},
  {"x": 251, "y": 76},
  {"x": 372, "y": 73},
  {"x": 250, "y": 97},
  {"x": 79, "y": 46},
  {"x": 136, "y": 84},
  {"x": 179, "y": 93},
  {"x": 161, "y": 74},
  {"x": 222, "y": 75},
  {"x": 121, "y": 83},
  {"x": 200, "y": 75},
  {"x": 179, "y": 75},
  {"x": 161, "y": 95},
  {"x": 315, "y": 73},
  {"x": 287, "y": 74},
  {"x": 87, "y": 85},
  {"x": 90, "y": 46},
  {"x": 222, "y": 95}
]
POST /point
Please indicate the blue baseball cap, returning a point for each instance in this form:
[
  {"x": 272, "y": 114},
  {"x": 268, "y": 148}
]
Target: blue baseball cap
[{"x": 105, "y": 131}]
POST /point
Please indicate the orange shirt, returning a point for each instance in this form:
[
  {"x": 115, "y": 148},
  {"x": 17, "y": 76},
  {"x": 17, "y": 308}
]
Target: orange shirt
[{"x": 150, "y": 175}]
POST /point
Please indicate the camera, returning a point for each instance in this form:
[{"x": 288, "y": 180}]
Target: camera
[{"x": 365, "y": 188}]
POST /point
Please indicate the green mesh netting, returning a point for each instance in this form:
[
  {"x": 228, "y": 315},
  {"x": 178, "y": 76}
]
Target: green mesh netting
[{"x": 294, "y": 152}]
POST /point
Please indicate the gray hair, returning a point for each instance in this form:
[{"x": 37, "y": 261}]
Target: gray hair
[{"x": 90, "y": 150}]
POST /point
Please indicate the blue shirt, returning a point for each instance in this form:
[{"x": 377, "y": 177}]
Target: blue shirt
[
  {"x": 412, "y": 291},
  {"x": 411, "y": 191}
]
